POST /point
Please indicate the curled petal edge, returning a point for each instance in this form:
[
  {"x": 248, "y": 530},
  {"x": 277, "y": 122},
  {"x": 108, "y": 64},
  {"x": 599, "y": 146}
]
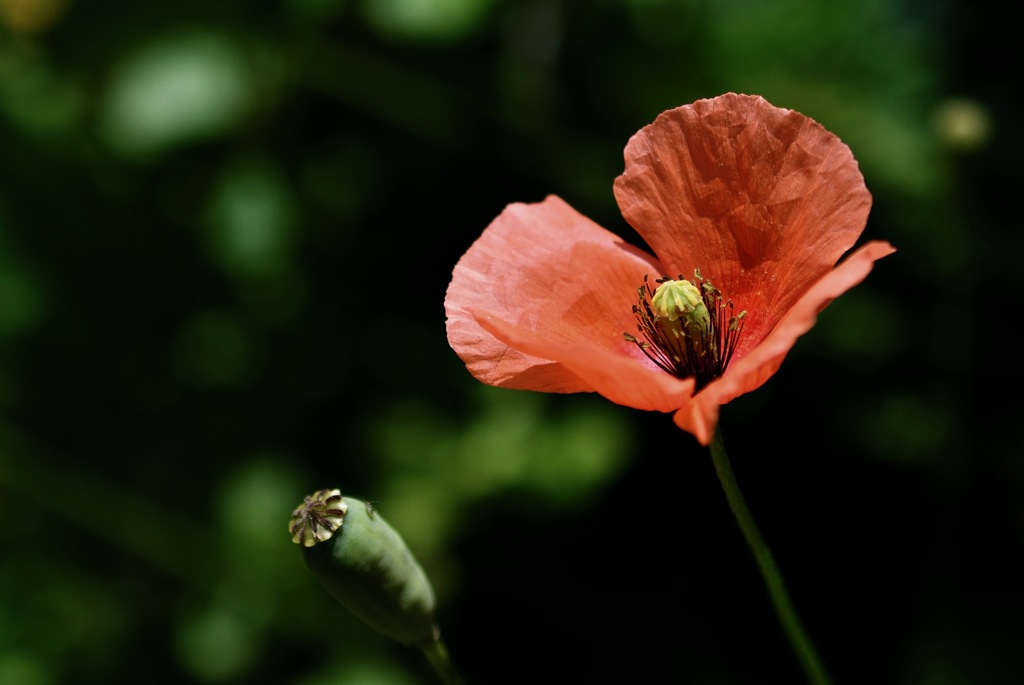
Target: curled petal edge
[{"x": 700, "y": 416}]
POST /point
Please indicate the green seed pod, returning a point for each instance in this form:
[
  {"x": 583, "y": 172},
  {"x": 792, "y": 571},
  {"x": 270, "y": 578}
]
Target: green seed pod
[
  {"x": 364, "y": 564},
  {"x": 680, "y": 307}
]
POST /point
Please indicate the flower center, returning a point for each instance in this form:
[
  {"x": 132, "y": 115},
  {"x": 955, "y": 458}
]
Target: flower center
[{"x": 686, "y": 327}]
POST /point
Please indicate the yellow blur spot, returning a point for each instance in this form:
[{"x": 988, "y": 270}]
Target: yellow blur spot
[
  {"x": 963, "y": 124},
  {"x": 31, "y": 16}
]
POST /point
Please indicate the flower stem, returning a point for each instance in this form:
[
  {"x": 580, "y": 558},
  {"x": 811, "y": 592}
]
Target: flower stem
[
  {"x": 437, "y": 654},
  {"x": 798, "y": 638}
]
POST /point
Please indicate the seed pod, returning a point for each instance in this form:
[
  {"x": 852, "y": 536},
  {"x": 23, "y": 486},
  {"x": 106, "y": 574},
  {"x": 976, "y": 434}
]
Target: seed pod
[{"x": 365, "y": 565}]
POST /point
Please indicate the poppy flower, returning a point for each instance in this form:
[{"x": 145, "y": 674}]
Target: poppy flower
[{"x": 747, "y": 209}]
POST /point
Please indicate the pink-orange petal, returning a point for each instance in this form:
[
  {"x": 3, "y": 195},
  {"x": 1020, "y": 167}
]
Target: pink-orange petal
[
  {"x": 618, "y": 377},
  {"x": 751, "y": 371},
  {"x": 543, "y": 268},
  {"x": 763, "y": 200}
]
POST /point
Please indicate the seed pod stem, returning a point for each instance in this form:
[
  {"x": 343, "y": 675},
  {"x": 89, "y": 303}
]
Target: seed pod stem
[{"x": 437, "y": 654}]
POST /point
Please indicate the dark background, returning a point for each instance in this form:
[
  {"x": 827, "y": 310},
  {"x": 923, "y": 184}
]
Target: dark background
[{"x": 226, "y": 230}]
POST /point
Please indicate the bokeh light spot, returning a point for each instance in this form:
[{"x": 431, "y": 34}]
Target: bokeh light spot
[
  {"x": 427, "y": 19},
  {"x": 31, "y": 16},
  {"x": 192, "y": 86},
  {"x": 962, "y": 124},
  {"x": 215, "y": 645},
  {"x": 251, "y": 217}
]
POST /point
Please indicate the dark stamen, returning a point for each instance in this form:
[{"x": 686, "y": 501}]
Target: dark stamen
[{"x": 702, "y": 356}]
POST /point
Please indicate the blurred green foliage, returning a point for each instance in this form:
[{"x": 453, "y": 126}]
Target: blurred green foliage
[{"x": 226, "y": 230}]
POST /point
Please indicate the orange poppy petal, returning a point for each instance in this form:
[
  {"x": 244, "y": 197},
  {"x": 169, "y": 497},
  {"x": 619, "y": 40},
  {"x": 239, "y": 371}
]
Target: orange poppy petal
[
  {"x": 763, "y": 200},
  {"x": 698, "y": 418},
  {"x": 620, "y": 378},
  {"x": 750, "y": 372},
  {"x": 543, "y": 268}
]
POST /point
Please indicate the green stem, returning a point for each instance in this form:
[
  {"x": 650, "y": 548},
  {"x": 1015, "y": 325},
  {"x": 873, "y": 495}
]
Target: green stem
[
  {"x": 798, "y": 639},
  {"x": 437, "y": 654}
]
